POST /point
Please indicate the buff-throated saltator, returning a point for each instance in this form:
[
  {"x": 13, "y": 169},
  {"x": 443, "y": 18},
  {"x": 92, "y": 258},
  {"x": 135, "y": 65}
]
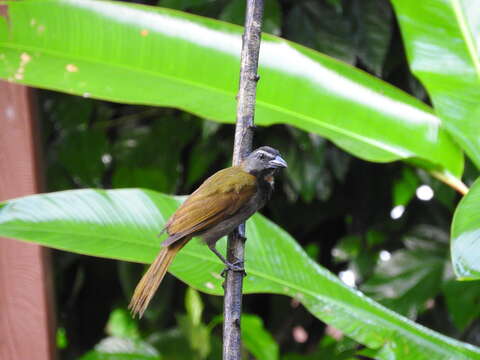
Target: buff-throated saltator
[{"x": 215, "y": 209}]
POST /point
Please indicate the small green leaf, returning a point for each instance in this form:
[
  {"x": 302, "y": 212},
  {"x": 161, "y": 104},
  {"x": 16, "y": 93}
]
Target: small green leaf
[
  {"x": 114, "y": 348},
  {"x": 62, "y": 340},
  {"x": 404, "y": 187},
  {"x": 347, "y": 248},
  {"x": 257, "y": 339},
  {"x": 173, "y": 344},
  {"x": 197, "y": 333},
  {"x": 194, "y": 306},
  {"x": 121, "y": 324},
  {"x": 198, "y": 336}
]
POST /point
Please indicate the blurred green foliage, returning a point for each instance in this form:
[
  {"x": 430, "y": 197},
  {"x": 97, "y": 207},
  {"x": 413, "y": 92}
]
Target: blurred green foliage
[{"x": 338, "y": 207}]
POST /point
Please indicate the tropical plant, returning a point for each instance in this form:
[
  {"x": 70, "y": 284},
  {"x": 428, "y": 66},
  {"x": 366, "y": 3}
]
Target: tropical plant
[{"x": 149, "y": 56}]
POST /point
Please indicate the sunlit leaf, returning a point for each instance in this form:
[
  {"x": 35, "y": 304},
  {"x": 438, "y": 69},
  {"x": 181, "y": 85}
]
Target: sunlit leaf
[
  {"x": 121, "y": 324},
  {"x": 442, "y": 40},
  {"x": 147, "y": 55}
]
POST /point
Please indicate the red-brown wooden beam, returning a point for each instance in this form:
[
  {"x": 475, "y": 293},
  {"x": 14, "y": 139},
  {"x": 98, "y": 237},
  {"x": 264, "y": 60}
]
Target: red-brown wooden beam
[{"x": 26, "y": 312}]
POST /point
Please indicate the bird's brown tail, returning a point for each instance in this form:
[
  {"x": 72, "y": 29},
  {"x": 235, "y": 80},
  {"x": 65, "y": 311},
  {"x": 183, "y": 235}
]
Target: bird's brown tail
[{"x": 151, "y": 280}]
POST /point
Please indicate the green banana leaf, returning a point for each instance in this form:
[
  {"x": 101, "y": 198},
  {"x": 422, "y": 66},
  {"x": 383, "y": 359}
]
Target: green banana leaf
[
  {"x": 123, "y": 224},
  {"x": 442, "y": 40},
  {"x": 147, "y": 55},
  {"x": 465, "y": 244}
]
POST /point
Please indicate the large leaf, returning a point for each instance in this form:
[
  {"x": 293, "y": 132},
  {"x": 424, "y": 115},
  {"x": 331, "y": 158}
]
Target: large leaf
[
  {"x": 123, "y": 224},
  {"x": 146, "y": 55},
  {"x": 374, "y": 31},
  {"x": 413, "y": 275},
  {"x": 442, "y": 40},
  {"x": 466, "y": 235},
  {"x": 464, "y": 309},
  {"x": 322, "y": 27}
]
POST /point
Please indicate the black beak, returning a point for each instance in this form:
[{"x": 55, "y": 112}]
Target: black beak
[{"x": 278, "y": 162}]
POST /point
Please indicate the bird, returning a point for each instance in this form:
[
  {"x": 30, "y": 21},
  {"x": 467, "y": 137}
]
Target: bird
[{"x": 215, "y": 209}]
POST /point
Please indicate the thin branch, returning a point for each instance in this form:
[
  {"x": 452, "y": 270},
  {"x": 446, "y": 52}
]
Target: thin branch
[
  {"x": 243, "y": 146},
  {"x": 451, "y": 181}
]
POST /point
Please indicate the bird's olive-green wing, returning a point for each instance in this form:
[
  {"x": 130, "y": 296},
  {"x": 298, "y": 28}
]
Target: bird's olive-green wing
[{"x": 219, "y": 197}]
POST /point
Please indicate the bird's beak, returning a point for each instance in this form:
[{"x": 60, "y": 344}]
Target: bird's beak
[{"x": 278, "y": 162}]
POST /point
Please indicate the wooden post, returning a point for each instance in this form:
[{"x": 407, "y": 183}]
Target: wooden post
[{"x": 26, "y": 312}]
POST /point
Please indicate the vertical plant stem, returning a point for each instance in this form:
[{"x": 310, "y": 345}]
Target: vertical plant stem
[{"x": 243, "y": 146}]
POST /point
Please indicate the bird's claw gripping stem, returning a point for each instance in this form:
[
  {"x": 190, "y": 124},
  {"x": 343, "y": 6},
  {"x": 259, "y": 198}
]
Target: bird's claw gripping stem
[{"x": 237, "y": 266}]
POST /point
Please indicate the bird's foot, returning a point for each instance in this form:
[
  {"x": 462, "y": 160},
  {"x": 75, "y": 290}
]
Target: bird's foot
[{"x": 237, "y": 266}]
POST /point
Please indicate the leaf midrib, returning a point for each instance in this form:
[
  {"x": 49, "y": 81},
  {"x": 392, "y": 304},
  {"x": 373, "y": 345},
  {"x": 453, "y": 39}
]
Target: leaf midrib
[{"x": 467, "y": 34}]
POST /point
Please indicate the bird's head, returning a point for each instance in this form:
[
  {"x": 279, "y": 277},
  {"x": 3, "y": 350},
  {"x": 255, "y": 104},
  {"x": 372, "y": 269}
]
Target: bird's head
[{"x": 263, "y": 161}]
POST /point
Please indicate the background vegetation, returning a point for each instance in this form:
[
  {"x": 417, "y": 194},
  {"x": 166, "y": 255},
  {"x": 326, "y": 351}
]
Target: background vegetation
[{"x": 364, "y": 221}]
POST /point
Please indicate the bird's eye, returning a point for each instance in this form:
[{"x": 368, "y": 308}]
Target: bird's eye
[{"x": 261, "y": 156}]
